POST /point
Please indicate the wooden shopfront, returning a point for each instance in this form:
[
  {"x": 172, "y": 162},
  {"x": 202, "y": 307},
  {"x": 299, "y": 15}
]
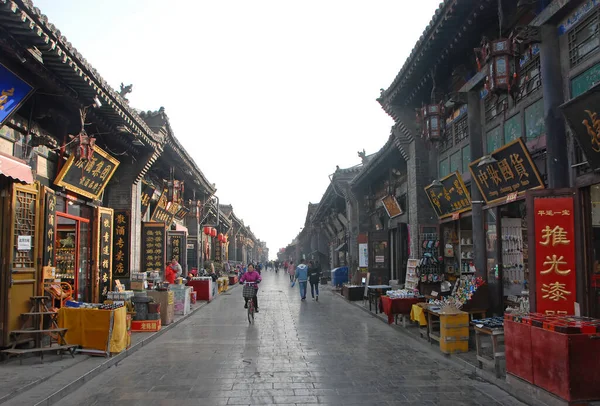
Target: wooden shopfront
[{"x": 83, "y": 241}]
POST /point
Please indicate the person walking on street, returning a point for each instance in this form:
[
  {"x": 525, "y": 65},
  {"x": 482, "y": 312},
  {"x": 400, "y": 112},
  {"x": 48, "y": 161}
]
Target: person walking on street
[
  {"x": 291, "y": 270},
  {"x": 314, "y": 275},
  {"x": 302, "y": 278}
]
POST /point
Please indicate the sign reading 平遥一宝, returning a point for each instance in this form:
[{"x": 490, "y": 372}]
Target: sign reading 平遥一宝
[{"x": 451, "y": 197}]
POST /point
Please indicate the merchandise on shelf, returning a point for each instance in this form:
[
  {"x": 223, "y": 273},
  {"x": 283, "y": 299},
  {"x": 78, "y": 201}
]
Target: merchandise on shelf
[{"x": 402, "y": 293}]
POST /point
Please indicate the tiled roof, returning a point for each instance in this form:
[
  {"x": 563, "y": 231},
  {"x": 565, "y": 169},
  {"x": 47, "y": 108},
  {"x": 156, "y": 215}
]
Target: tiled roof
[
  {"x": 158, "y": 120},
  {"x": 30, "y": 27},
  {"x": 452, "y": 22}
]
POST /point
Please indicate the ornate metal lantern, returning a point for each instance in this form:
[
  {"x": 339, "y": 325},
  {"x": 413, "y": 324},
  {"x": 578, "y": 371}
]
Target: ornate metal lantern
[
  {"x": 500, "y": 57},
  {"x": 430, "y": 119}
]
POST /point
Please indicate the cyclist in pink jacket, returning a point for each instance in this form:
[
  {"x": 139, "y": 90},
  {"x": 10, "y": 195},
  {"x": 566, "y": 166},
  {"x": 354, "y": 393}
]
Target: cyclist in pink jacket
[{"x": 251, "y": 276}]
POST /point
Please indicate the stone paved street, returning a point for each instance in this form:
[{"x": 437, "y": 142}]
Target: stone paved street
[{"x": 326, "y": 352}]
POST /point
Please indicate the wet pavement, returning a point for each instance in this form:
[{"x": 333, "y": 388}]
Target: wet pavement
[{"x": 297, "y": 353}]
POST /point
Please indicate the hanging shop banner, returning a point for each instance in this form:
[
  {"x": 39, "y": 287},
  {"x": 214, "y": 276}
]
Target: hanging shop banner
[
  {"x": 160, "y": 213},
  {"x": 508, "y": 175},
  {"x": 13, "y": 92},
  {"x": 153, "y": 247},
  {"x": 147, "y": 193},
  {"x": 49, "y": 228},
  {"x": 104, "y": 254},
  {"x": 176, "y": 247},
  {"x": 173, "y": 209},
  {"x": 391, "y": 206},
  {"x": 451, "y": 197},
  {"x": 582, "y": 115},
  {"x": 121, "y": 240},
  {"x": 87, "y": 177},
  {"x": 218, "y": 251},
  {"x": 555, "y": 268},
  {"x": 363, "y": 255},
  {"x": 181, "y": 213}
]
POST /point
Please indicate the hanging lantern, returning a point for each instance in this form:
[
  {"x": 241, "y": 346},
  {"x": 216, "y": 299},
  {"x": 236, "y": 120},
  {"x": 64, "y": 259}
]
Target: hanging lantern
[
  {"x": 501, "y": 71},
  {"x": 207, "y": 230},
  {"x": 213, "y": 232},
  {"x": 430, "y": 120},
  {"x": 220, "y": 237}
]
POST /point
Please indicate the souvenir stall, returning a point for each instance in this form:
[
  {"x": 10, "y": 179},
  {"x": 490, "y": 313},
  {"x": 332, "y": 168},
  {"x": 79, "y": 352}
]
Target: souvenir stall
[
  {"x": 451, "y": 201},
  {"x": 503, "y": 178}
]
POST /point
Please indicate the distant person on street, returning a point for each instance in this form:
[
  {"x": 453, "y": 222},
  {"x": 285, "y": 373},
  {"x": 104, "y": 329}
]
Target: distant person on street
[
  {"x": 251, "y": 276},
  {"x": 302, "y": 278},
  {"x": 291, "y": 270},
  {"x": 314, "y": 275}
]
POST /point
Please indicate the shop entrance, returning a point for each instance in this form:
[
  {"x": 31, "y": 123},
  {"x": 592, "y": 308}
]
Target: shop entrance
[{"x": 73, "y": 254}]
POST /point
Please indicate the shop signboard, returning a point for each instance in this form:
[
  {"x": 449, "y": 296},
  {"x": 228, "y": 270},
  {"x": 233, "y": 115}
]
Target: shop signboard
[
  {"x": 49, "y": 229},
  {"x": 510, "y": 170},
  {"x": 173, "y": 209},
  {"x": 87, "y": 177},
  {"x": 181, "y": 213},
  {"x": 147, "y": 193},
  {"x": 451, "y": 197},
  {"x": 218, "y": 252},
  {"x": 391, "y": 206},
  {"x": 121, "y": 237},
  {"x": 582, "y": 115},
  {"x": 555, "y": 242},
  {"x": 13, "y": 92},
  {"x": 363, "y": 255},
  {"x": 160, "y": 213},
  {"x": 104, "y": 257},
  {"x": 175, "y": 242},
  {"x": 153, "y": 246}
]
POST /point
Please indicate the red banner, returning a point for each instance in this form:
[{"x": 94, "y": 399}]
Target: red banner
[{"x": 555, "y": 255}]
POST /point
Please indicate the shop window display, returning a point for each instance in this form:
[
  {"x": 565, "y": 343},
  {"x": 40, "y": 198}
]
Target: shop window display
[
  {"x": 458, "y": 249},
  {"x": 515, "y": 274}
]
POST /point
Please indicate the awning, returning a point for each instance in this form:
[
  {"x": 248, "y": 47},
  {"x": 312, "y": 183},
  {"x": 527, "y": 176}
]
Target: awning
[
  {"x": 342, "y": 247},
  {"x": 16, "y": 169}
]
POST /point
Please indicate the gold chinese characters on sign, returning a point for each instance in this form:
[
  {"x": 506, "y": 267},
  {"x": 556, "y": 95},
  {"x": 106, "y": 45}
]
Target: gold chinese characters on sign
[
  {"x": 120, "y": 247},
  {"x": 87, "y": 177},
  {"x": 153, "y": 246},
  {"x": 450, "y": 196},
  {"x": 510, "y": 172}
]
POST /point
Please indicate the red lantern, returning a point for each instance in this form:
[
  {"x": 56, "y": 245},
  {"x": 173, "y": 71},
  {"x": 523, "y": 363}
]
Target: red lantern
[
  {"x": 213, "y": 232},
  {"x": 220, "y": 237},
  {"x": 207, "y": 230}
]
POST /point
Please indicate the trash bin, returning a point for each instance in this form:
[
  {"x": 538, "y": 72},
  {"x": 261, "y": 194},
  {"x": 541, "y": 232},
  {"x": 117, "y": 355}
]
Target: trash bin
[{"x": 339, "y": 276}]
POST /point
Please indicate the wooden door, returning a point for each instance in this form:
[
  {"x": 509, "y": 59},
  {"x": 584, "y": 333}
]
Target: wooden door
[
  {"x": 20, "y": 254},
  {"x": 379, "y": 257}
]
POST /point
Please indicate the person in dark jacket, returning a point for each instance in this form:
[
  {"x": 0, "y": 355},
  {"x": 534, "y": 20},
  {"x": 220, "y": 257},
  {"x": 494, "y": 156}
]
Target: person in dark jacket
[{"x": 314, "y": 275}]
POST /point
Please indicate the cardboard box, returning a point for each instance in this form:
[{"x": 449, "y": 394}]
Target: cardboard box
[
  {"x": 145, "y": 325},
  {"x": 138, "y": 285}
]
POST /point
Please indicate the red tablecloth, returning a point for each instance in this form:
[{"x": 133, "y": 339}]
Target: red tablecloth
[
  {"x": 391, "y": 307},
  {"x": 203, "y": 289}
]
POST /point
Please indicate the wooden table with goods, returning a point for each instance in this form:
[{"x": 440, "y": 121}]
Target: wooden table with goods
[{"x": 394, "y": 307}]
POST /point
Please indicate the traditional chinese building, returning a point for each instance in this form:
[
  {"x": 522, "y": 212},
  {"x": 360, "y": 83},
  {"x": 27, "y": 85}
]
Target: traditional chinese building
[
  {"x": 489, "y": 81},
  {"x": 67, "y": 140}
]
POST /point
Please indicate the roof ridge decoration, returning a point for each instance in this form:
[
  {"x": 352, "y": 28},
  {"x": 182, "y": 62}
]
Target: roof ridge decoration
[{"x": 58, "y": 43}]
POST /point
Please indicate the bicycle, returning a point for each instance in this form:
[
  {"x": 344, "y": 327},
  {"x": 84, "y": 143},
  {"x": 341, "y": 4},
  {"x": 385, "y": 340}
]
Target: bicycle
[{"x": 249, "y": 293}]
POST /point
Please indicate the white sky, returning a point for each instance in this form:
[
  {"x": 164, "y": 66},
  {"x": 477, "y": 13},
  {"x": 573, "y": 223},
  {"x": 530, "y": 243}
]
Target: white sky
[{"x": 266, "y": 96}]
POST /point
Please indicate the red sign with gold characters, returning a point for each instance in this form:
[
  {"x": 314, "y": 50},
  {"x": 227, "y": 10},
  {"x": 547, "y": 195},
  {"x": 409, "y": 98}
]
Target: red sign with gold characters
[{"x": 555, "y": 276}]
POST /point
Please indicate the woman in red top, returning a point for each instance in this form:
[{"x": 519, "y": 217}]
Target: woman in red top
[{"x": 171, "y": 272}]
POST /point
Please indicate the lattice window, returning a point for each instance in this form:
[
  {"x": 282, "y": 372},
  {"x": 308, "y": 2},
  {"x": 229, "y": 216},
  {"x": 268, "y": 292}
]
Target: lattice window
[
  {"x": 494, "y": 106},
  {"x": 25, "y": 203},
  {"x": 461, "y": 130},
  {"x": 530, "y": 78},
  {"x": 584, "y": 39}
]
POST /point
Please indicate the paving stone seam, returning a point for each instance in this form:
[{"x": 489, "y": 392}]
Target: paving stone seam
[
  {"x": 455, "y": 362},
  {"x": 73, "y": 386}
]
